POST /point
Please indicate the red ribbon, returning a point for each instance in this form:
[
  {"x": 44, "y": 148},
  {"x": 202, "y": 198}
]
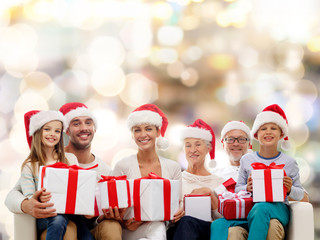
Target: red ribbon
[
  {"x": 72, "y": 183},
  {"x": 166, "y": 196},
  {"x": 268, "y": 179},
  {"x": 112, "y": 189}
]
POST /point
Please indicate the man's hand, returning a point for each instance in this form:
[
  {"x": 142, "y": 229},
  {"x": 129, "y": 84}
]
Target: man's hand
[
  {"x": 131, "y": 224},
  {"x": 113, "y": 213},
  {"x": 37, "y": 209}
]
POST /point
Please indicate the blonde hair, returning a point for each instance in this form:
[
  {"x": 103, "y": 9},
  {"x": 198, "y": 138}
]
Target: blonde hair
[{"x": 37, "y": 156}]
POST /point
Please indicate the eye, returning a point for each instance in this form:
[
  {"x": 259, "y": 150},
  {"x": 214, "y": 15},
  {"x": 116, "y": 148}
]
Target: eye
[
  {"x": 136, "y": 130},
  {"x": 90, "y": 122},
  {"x": 58, "y": 131}
]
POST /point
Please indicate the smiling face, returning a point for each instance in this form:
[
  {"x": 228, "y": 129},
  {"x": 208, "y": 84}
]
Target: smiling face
[
  {"x": 81, "y": 132},
  {"x": 235, "y": 150},
  {"x": 195, "y": 150},
  {"x": 145, "y": 136},
  {"x": 269, "y": 134},
  {"x": 51, "y": 133}
]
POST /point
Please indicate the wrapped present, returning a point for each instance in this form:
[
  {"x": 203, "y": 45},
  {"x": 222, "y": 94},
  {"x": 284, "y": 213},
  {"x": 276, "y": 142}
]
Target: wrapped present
[
  {"x": 235, "y": 205},
  {"x": 198, "y": 206},
  {"x": 113, "y": 192},
  {"x": 153, "y": 198},
  {"x": 72, "y": 188},
  {"x": 228, "y": 185},
  {"x": 267, "y": 183}
]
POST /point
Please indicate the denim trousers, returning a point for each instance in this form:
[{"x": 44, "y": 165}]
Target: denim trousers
[
  {"x": 56, "y": 227},
  {"x": 257, "y": 221},
  {"x": 189, "y": 228}
]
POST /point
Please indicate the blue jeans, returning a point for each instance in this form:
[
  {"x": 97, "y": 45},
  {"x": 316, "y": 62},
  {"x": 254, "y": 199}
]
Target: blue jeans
[
  {"x": 189, "y": 228},
  {"x": 257, "y": 222},
  {"x": 56, "y": 227}
]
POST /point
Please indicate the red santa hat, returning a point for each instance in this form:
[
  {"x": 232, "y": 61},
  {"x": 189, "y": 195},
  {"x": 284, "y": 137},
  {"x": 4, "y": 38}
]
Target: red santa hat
[
  {"x": 150, "y": 114},
  {"x": 200, "y": 129},
  {"x": 35, "y": 119},
  {"x": 76, "y": 109},
  {"x": 272, "y": 114}
]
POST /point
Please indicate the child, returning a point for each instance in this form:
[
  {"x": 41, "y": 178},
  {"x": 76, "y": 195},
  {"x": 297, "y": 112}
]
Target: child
[
  {"x": 44, "y": 134},
  {"x": 270, "y": 126}
]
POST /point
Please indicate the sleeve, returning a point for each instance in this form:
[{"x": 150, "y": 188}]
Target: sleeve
[
  {"x": 215, "y": 214},
  {"x": 118, "y": 169},
  {"x": 72, "y": 159},
  {"x": 27, "y": 181},
  {"x": 242, "y": 177},
  {"x": 297, "y": 191},
  {"x": 15, "y": 198}
]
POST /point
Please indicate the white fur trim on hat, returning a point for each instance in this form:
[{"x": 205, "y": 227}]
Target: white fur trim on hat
[
  {"x": 234, "y": 125},
  {"x": 144, "y": 117},
  {"x": 79, "y": 112},
  {"x": 269, "y": 117},
  {"x": 194, "y": 132},
  {"x": 43, "y": 117}
]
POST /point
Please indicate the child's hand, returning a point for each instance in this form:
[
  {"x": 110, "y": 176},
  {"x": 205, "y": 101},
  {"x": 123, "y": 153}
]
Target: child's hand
[
  {"x": 249, "y": 184},
  {"x": 45, "y": 197},
  {"x": 287, "y": 182}
]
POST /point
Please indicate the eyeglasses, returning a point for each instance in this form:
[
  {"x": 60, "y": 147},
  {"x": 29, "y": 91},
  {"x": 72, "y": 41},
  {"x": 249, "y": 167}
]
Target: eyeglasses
[{"x": 240, "y": 140}]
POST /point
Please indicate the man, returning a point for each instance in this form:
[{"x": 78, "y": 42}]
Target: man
[
  {"x": 235, "y": 137},
  {"x": 81, "y": 129}
]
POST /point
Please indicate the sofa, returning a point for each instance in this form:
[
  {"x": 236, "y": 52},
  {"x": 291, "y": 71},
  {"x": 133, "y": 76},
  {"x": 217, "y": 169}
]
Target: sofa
[{"x": 301, "y": 226}]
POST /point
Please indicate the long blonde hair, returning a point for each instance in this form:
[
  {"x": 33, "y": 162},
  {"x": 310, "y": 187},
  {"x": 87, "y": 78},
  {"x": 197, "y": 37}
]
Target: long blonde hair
[{"x": 37, "y": 156}]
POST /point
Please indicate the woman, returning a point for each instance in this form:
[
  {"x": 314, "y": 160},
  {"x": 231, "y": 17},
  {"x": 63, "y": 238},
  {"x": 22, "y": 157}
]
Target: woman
[
  {"x": 146, "y": 124},
  {"x": 198, "y": 140}
]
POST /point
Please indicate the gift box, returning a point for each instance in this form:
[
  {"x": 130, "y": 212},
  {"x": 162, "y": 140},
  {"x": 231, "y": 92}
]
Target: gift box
[
  {"x": 198, "y": 206},
  {"x": 72, "y": 188},
  {"x": 235, "y": 206},
  {"x": 113, "y": 192},
  {"x": 153, "y": 198},
  {"x": 267, "y": 183},
  {"x": 228, "y": 185}
]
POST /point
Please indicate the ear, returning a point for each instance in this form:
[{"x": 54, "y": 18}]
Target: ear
[{"x": 68, "y": 132}]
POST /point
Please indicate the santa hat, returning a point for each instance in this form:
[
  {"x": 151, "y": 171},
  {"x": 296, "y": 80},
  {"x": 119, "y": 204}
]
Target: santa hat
[
  {"x": 234, "y": 125},
  {"x": 76, "y": 109},
  {"x": 272, "y": 114},
  {"x": 35, "y": 119},
  {"x": 200, "y": 129},
  {"x": 150, "y": 114}
]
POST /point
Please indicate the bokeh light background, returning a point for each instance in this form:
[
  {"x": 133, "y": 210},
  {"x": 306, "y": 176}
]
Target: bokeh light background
[{"x": 216, "y": 60}]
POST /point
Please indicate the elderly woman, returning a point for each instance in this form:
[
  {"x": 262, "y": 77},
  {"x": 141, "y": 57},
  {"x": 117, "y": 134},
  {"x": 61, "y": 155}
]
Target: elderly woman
[
  {"x": 198, "y": 140},
  {"x": 148, "y": 125}
]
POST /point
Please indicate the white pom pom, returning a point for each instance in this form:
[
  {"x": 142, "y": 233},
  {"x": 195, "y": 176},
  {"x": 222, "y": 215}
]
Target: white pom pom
[
  {"x": 285, "y": 145},
  {"x": 212, "y": 164},
  {"x": 162, "y": 143}
]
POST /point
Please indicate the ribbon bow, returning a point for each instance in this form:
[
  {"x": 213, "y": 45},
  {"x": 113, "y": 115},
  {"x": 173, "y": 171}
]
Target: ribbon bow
[
  {"x": 258, "y": 165},
  {"x": 110, "y": 178},
  {"x": 231, "y": 195}
]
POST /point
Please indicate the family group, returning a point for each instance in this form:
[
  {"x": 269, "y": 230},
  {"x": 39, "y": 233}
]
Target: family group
[{"x": 148, "y": 124}]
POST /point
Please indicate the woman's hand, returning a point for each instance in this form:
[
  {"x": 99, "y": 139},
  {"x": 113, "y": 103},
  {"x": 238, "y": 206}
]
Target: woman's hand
[
  {"x": 201, "y": 191},
  {"x": 249, "y": 184},
  {"x": 131, "y": 224},
  {"x": 287, "y": 182},
  {"x": 45, "y": 196},
  {"x": 113, "y": 213},
  {"x": 214, "y": 202},
  {"x": 178, "y": 215}
]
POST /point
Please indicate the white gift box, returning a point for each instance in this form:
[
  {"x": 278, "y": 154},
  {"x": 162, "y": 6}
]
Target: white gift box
[
  {"x": 71, "y": 193},
  {"x": 119, "y": 195},
  {"x": 265, "y": 189},
  {"x": 198, "y": 206},
  {"x": 151, "y": 197},
  {"x": 226, "y": 186}
]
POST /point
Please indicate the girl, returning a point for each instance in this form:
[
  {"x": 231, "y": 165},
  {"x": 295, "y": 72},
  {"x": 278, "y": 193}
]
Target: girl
[
  {"x": 146, "y": 124},
  {"x": 44, "y": 134}
]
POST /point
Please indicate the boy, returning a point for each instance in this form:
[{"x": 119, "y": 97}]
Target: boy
[{"x": 270, "y": 126}]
